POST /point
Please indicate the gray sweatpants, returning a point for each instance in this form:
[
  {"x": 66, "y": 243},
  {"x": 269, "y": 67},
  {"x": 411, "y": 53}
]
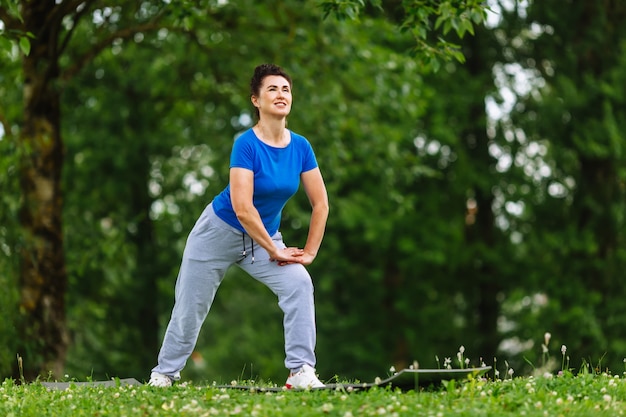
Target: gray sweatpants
[{"x": 212, "y": 247}]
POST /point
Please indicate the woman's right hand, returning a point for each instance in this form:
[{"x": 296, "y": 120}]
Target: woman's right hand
[{"x": 286, "y": 256}]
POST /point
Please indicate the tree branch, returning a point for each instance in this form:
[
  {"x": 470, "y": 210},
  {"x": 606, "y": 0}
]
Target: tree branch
[
  {"x": 100, "y": 46},
  {"x": 55, "y": 18},
  {"x": 77, "y": 16}
]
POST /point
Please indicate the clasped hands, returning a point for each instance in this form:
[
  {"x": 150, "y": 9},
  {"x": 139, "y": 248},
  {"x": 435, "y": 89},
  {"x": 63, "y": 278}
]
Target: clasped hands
[{"x": 292, "y": 255}]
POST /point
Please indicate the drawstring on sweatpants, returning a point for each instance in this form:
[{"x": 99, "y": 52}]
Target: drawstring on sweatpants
[{"x": 243, "y": 238}]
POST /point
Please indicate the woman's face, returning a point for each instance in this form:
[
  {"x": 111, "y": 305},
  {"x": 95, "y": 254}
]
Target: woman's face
[{"x": 274, "y": 97}]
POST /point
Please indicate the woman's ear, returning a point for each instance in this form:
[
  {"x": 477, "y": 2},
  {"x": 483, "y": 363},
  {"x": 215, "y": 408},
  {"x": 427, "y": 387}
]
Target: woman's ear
[{"x": 254, "y": 101}]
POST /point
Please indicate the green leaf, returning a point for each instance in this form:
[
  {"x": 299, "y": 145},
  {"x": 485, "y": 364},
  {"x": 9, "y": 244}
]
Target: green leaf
[
  {"x": 25, "y": 45},
  {"x": 5, "y": 45},
  {"x": 377, "y": 4},
  {"x": 439, "y": 21},
  {"x": 434, "y": 64},
  {"x": 478, "y": 16},
  {"x": 467, "y": 26},
  {"x": 458, "y": 55},
  {"x": 13, "y": 8}
]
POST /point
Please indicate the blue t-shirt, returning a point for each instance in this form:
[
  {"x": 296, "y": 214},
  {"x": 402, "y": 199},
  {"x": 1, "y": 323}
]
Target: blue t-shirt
[{"x": 276, "y": 176}]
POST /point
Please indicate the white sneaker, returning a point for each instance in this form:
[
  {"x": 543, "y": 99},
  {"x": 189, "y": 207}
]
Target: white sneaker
[
  {"x": 159, "y": 380},
  {"x": 304, "y": 379}
]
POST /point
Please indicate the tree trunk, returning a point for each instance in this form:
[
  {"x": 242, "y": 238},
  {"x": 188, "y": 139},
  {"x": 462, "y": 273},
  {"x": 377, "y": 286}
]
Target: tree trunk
[{"x": 43, "y": 279}]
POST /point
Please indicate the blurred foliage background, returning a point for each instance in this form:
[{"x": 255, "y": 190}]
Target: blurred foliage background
[{"x": 474, "y": 158}]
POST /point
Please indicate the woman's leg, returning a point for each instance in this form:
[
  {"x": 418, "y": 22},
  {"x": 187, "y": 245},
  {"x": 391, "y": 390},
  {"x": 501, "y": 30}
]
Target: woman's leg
[
  {"x": 212, "y": 246},
  {"x": 294, "y": 288}
]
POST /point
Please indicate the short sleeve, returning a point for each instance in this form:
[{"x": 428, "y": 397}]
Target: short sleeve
[
  {"x": 242, "y": 154},
  {"x": 309, "y": 161}
]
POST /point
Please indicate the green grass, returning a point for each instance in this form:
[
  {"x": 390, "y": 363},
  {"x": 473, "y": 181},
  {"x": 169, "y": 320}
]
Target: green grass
[{"x": 586, "y": 394}]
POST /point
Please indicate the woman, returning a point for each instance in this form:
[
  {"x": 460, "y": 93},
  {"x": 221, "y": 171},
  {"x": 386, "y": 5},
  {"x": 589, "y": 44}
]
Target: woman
[{"x": 240, "y": 226}]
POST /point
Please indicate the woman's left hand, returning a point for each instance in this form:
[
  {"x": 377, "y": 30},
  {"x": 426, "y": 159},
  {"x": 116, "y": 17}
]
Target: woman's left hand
[{"x": 293, "y": 255}]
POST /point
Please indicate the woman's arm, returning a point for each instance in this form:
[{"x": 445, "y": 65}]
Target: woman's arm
[
  {"x": 316, "y": 191},
  {"x": 241, "y": 190}
]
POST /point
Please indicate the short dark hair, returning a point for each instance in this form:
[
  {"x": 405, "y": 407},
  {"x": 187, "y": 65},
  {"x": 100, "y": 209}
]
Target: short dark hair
[{"x": 262, "y": 71}]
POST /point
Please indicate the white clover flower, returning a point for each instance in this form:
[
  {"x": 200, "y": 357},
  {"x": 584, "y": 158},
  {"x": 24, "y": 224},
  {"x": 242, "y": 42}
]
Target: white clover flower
[
  {"x": 544, "y": 348},
  {"x": 327, "y": 408},
  {"x": 607, "y": 398},
  {"x": 546, "y": 338},
  {"x": 462, "y": 349},
  {"x": 511, "y": 371},
  {"x": 467, "y": 361},
  {"x": 392, "y": 369},
  {"x": 559, "y": 401},
  {"x": 563, "y": 349}
]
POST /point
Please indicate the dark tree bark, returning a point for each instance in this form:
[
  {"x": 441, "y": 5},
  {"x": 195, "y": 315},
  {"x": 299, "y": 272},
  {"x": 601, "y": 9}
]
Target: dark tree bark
[{"x": 43, "y": 278}]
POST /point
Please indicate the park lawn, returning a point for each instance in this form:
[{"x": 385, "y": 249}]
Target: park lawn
[{"x": 566, "y": 395}]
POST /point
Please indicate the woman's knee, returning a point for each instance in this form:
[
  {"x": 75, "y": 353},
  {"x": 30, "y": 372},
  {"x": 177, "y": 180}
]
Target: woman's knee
[{"x": 299, "y": 281}]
